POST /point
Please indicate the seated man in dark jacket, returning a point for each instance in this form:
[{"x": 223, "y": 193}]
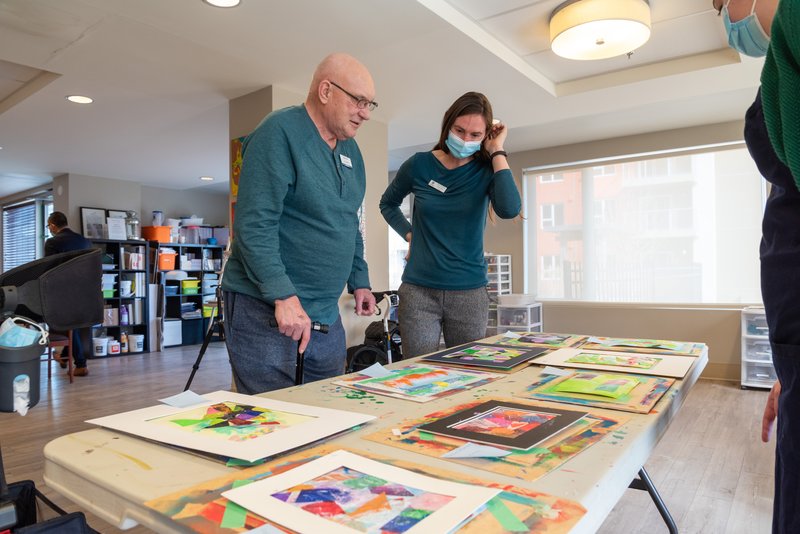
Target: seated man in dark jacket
[{"x": 65, "y": 240}]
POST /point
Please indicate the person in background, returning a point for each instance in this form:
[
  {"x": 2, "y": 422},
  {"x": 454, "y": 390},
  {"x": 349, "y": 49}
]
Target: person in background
[
  {"x": 772, "y": 133},
  {"x": 65, "y": 240},
  {"x": 297, "y": 239},
  {"x": 444, "y": 282}
]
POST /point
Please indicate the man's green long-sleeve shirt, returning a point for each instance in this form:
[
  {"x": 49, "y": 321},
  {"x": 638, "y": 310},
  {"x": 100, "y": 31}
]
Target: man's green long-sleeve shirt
[{"x": 296, "y": 228}]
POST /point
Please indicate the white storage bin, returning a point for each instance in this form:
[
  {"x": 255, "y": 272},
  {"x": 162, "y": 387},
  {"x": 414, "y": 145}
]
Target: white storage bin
[
  {"x": 519, "y": 316},
  {"x": 758, "y": 350},
  {"x": 756, "y": 325},
  {"x": 173, "y": 332},
  {"x": 763, "y": 373}
]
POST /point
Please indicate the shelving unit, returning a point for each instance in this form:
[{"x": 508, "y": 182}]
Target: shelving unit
[
  {"x": 131, "y": 262},
  {"x": 201, "y": 262},
  {"x": 498, "y": 273},
  {"x": 757, "y": 368},
  {"x": 527, "y": 318}
]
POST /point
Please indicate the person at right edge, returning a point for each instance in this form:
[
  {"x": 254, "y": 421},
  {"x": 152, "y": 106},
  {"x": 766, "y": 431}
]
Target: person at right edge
[
  {"x": 772, "y": 134},
  {"x": 444, "y": 282}
]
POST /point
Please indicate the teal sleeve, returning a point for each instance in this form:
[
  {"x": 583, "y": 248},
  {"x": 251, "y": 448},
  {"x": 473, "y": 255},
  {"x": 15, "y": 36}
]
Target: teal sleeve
[
  {"x": 504, "y": 195},
  {"x": 393, "y": 197},
  {"x": 359, "y": 275},
  {"x": 267, "y": 174}
]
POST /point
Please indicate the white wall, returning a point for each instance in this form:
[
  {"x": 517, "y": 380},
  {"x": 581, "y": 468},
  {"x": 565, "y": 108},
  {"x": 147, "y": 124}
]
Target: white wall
[
  {"x": 73, "y": 191},
  {"x": 212, "y": 206}
]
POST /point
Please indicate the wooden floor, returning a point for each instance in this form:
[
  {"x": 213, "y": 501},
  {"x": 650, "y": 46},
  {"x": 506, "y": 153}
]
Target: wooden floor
[{"x": 711, "y": 468}]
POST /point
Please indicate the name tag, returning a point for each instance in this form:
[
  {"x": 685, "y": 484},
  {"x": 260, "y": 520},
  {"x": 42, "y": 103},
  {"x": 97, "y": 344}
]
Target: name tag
[
  {"x": 436, "y": 185},
  {"x": 346, "y": 161}
]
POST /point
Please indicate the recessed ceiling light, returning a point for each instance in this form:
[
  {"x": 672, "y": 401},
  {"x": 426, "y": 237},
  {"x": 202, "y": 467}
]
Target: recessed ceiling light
[
  {"x": 222, "y": 3},
  {"x": 78, "y": 99},
  {"x": 207, "y": 178}
]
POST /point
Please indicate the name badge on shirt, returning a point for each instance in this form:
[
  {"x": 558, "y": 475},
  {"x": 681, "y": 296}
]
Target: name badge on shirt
[
  {"x": 436, "y": 185},
  {"x": 346, "y": 161}
]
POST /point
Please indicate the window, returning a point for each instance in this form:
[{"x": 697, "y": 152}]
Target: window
[
  {"x": 550, "y": 178},
  {"x": 552, "y": 215},
  {"x": 24, "y": 229},
  {"x": 19, "y": 235},
  {"x": 551, "y": 268},
  {"x": 678, "y": 229}
]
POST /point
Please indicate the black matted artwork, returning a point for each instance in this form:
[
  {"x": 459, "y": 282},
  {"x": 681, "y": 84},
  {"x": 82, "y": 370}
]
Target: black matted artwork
[
  {"x": 486, "y": 356},
  {"x": 506, "y": 424}
]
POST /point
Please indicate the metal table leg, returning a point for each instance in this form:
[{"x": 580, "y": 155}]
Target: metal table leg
[{"x": 645, "y": 483}]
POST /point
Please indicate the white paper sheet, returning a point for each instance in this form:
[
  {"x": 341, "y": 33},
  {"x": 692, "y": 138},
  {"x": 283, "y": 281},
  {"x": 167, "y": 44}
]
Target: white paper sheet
[
  {"x": 257, "y": 497},
  {"x": 157, "y": 423}
]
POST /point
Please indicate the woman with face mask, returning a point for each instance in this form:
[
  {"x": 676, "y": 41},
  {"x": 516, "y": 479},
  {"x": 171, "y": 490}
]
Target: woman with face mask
[
  {"x": 747, "y": 24},
  {"x": 444, "y": 282},
  {"x": 772, "y": 133}
]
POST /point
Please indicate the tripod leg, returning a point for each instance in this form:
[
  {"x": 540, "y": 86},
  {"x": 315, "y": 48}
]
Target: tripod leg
[{"x": 215, "y": 323}]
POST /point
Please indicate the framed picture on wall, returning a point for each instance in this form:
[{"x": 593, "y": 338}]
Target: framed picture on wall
[
  {"x": 117, "y": 214},
  {"x": 93, "y": 222}
]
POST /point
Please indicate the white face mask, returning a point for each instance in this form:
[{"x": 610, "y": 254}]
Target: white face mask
[
  {"x": 746, "y": 35},
  {"x": 459, "y": 148}
]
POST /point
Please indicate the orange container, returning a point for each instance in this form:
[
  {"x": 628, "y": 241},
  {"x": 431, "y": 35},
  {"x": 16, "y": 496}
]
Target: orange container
[
  {"x": 156, "y": 233},
  {"x": 166, "y": 261}
]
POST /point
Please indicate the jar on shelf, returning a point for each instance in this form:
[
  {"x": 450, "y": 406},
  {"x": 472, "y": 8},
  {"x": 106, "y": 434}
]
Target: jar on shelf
[{"x": 132, "y": 228}]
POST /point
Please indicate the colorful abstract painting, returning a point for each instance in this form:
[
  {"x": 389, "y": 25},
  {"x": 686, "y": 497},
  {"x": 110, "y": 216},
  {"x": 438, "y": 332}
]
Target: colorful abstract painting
[
  {"x": 232, "y": 421},
  {"x": 540, "y": 339},
  {"x": 620, "y": 360},
  {"x": 655, "y": 346},
  {"x": 490, "y": 356},
  {"x": 504, "y": 423},
  {"x": 523, "y": 464},
  {"x": 604, "y": 385},
  {"x": 670, "y": 365},
  {"x": 363, "y": 502},
  {"x": 345, "y": 492},
  {"x": 226, "y": 425},
  {"x": 202, "y": 508},
  {"x": 420, "y": 383},
  {"x": 641, "y": 398}
]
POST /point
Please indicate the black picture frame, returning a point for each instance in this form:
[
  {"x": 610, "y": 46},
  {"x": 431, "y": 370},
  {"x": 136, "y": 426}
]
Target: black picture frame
[
  {"x": 117, "y": 214},
  {"x": 456, "y": 356},
  {"x": 93, "y": 222},
  {"x": 483, "y": 414}
]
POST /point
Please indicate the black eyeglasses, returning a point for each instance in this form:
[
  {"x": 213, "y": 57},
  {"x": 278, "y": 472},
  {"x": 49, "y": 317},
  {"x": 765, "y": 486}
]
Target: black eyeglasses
[{"x": 361, "y": 103}]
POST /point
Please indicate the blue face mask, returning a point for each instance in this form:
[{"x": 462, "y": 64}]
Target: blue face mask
[
  {"x": 746, "y": 35},
  {"x": 459, "y": 148}
]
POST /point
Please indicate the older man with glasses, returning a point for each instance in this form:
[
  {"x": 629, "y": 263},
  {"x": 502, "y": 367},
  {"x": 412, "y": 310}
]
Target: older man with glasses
[{"x": 297, "y": 239}]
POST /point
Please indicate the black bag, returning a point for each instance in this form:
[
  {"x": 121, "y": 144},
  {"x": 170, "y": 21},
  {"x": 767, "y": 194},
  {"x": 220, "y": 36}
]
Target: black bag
[{"x": 25, "y": 497}]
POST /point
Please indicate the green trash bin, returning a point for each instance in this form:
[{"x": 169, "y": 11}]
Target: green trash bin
[{"x": 19, "y": 365}]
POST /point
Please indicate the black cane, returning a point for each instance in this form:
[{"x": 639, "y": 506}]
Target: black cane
[{"x": 298, "y": 372}]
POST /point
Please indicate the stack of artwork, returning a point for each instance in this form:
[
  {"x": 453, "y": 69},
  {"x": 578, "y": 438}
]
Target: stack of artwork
[
  {"x": 492, "y": 357},
  {"x": 419, "y": 383},
  {"x": 630, "y": 393},
  {"x": 540, "y": 339},
  {"x": 203, "y": 509},
  {"x": 649, "y": 364},
  {"x": 501, "y": 424},
  {"x": 234, "y": 425},
  {"x": 652, "y": 346}
]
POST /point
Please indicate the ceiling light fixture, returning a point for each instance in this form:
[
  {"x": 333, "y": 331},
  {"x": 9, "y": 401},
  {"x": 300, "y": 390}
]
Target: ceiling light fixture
[
  {"x": 78, "y": 99},
  {"x": 222, "y": 3},
  {"x": 599, "y": 29},
  {"x": 207, "y": 178}
]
